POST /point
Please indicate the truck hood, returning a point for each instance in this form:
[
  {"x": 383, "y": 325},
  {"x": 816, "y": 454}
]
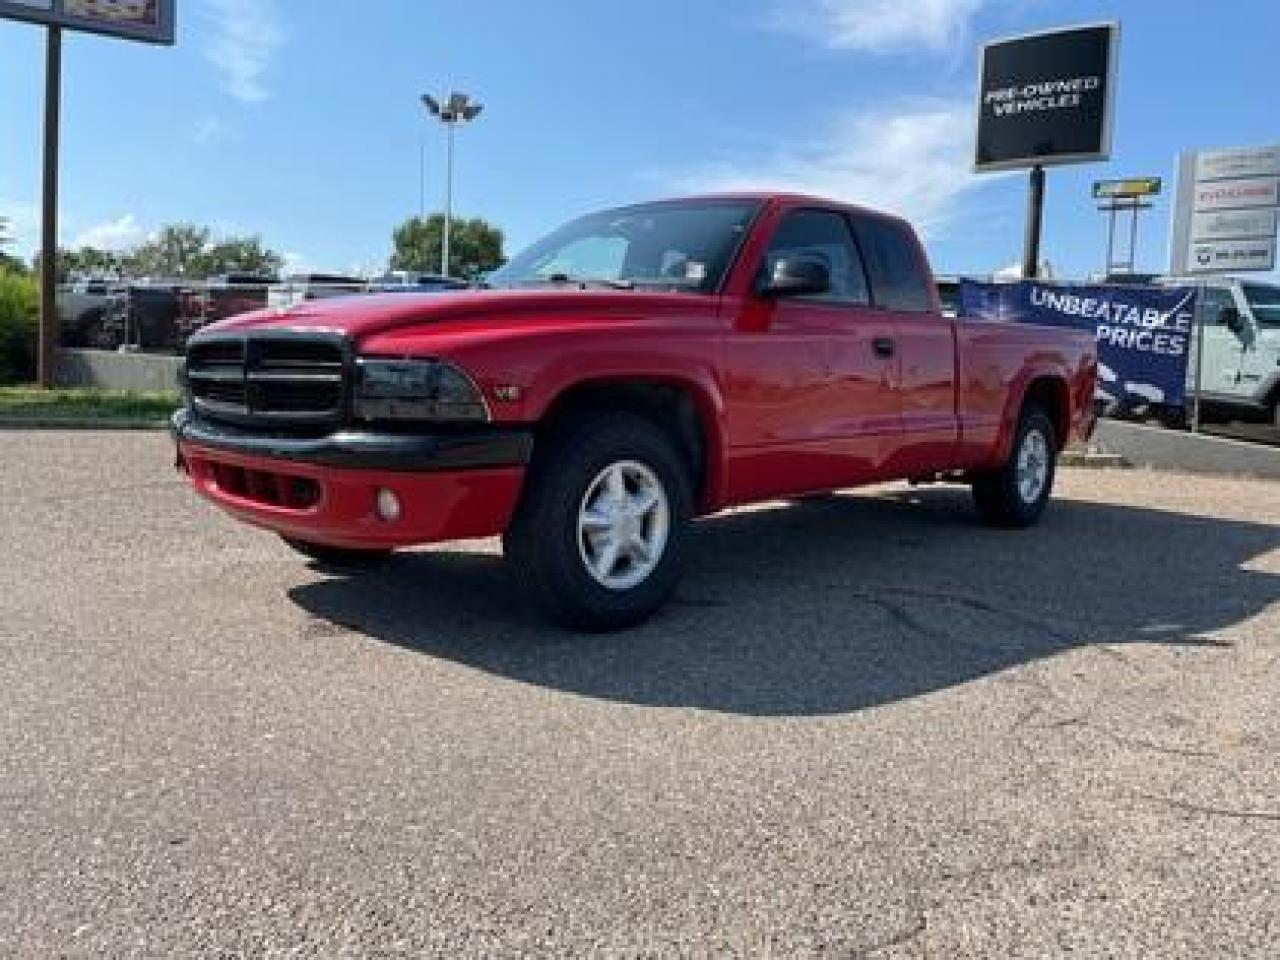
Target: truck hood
[{"x": 361, "y": 317}]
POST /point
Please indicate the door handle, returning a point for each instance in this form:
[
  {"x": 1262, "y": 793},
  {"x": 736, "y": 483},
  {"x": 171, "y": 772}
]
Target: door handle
[{"x": 884, "y": 346}]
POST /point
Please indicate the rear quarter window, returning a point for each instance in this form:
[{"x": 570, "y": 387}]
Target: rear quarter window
[{"x": 898, "y": 278}]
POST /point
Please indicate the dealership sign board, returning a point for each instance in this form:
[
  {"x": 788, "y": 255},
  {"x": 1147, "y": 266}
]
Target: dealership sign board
[
  {"x": 1230, "y": 256},
  {"x": 1047, "y": 98},
  {"x": 1230, "y": 224},
  {"x": 151, "y": 21},
  {"x": 1226, "y": 212},
  {"x": 1230, "y": 164},
  {"x": 1238, "y": 194}
]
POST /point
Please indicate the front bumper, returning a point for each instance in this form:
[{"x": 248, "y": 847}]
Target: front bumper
[
  {"x": 451, "y": 486},
  {"x": 367, "y": 450}
]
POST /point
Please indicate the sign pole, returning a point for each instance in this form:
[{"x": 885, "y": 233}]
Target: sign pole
[
  {"x": 1111, "y": 239},
  {"x": 1133, "y": 237},
  {"x": 1035, "y": 220},
  {"x": 48, "y": 337},
  {"x": 1200, "y": 322}
]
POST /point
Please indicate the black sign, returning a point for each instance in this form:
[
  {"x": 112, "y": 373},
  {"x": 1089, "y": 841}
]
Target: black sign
[
  {"x": 1046, "y": 98},
  {"x": 148, "y": 20}
]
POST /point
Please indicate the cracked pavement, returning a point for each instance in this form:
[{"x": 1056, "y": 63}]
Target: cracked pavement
[{"x": 868, "y": 727}]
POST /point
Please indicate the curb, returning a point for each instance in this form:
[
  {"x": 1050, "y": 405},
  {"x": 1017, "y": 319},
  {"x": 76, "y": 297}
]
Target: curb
[
  {"x": 79, "y": 423},
  {"x": 1093, "y": 459},
  {"x": 1158, "y": 448}
]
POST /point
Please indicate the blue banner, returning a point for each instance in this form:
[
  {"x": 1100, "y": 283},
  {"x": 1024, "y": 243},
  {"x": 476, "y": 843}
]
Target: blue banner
[{"x": 1144, "y": 333}]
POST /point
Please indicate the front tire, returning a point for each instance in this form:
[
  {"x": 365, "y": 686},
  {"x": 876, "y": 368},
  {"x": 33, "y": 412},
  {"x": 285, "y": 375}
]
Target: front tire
[
  {"x": 1016, "y": 495},
  {"x": 597, "y": 542}
]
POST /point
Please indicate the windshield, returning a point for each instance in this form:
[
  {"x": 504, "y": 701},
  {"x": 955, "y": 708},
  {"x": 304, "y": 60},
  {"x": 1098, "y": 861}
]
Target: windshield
[
  {"x": 1265, "y": 304},
  {"x": 685, "y": 246}
]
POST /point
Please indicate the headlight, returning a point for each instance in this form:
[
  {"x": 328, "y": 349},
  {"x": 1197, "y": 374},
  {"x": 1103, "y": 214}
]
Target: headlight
[{"x": 427, "y": 390}]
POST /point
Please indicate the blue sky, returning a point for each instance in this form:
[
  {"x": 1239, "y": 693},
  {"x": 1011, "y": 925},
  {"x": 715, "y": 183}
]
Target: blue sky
[{"x": 299, "y": 120}]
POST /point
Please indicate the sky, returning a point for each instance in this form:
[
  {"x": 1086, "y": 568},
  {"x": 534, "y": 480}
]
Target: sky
[{"x": 300, "y": 121}]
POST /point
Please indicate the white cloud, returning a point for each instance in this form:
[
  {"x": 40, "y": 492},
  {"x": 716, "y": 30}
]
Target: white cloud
[
  {"x": 123, "y": 233},
  {"x": 914, "y": 161},
  {"x": 880, "y": 26},
  {"x": 243, "y": 38}
]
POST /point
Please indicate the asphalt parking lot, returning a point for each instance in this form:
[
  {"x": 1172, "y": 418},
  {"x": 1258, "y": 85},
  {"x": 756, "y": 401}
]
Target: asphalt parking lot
[{"x": 868, "y": 727}]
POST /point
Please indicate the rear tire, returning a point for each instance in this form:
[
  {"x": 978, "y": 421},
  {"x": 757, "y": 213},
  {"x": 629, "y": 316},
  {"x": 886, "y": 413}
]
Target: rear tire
[
  {"x": 338, "y": 557},
  {"x": 597, "y": 542},
  {"x": 1016, "y": 495}
]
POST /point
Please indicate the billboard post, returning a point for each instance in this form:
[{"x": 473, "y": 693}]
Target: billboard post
[
  {"x": 48, "y": 335},
  {"x": 1045, "y": 98},
  {"x": 1035, "y": 220}
]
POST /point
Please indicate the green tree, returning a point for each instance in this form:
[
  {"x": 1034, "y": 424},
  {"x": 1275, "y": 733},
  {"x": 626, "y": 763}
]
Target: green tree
[
  {"x": 19, "y": 303},
  {"x": 185, "y": 251},
  {"x": 241, "y": 255},
  {"x": 176, "y": 252},
  {"x": 475, "y": 246},
  {"x": 89, "y": 262},
  {"x": 85, "y": 262}
]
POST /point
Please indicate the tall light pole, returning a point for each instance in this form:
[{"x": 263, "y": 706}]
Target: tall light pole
[{"x": 459, "y": 108}]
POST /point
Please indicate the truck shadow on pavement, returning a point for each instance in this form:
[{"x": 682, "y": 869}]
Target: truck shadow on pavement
[{"x": 838, "y": 604}]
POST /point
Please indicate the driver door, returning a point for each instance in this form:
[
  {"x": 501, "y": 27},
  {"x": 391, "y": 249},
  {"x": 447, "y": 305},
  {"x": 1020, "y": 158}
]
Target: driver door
[
  {"x": 1223, "y": 349},
  {"x": 811, "y": 386}
]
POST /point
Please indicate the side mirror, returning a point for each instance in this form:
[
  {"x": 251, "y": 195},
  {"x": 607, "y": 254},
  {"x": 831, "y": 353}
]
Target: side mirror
[
  {"x": 797, "y": 277},
  {"x": 1230, "y": 318}
]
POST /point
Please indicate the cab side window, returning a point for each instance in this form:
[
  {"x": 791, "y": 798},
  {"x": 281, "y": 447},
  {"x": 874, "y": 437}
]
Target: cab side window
[
  {"x": 823, "y": 236},
  {"x": 898, "y": 279}
]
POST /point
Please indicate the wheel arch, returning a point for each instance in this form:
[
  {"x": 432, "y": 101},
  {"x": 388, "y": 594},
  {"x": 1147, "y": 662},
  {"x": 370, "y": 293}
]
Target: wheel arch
[
  {"x": 1046, "y": 388},
  {"x": 689, "y": 410},
  {"x": 1272, "y": 393}
]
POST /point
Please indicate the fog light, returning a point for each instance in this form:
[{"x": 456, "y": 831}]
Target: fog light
[{"x": 388, "y": 506}]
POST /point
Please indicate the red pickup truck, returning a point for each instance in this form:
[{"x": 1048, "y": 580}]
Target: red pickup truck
[{"x": 635, "y": 369}]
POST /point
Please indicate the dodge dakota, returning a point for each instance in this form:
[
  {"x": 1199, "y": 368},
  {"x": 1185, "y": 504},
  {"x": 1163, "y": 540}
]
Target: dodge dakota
[{"x": 636, "y": 369}]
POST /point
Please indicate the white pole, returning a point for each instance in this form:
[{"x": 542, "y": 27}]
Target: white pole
[{"x": 448, "y": 206}]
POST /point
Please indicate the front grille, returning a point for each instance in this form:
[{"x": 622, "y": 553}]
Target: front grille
[{"x": 270, "y": 378}]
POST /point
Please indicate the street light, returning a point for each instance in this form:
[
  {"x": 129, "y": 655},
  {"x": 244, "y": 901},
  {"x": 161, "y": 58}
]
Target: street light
[{"x": 459, "y": 108}]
